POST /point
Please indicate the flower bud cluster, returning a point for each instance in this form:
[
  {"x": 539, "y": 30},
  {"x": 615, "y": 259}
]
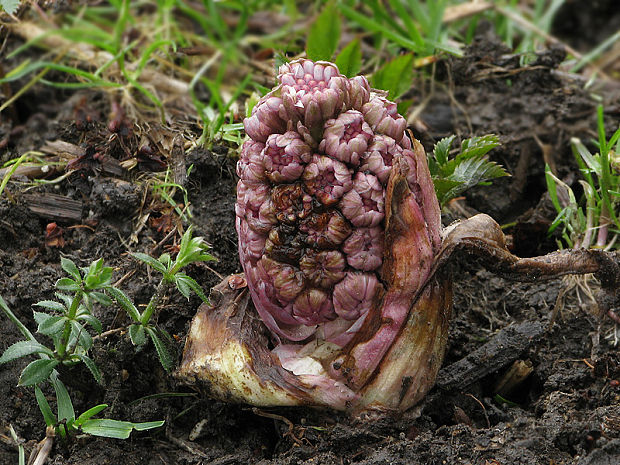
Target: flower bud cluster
[{"x": 311, "y": 201}]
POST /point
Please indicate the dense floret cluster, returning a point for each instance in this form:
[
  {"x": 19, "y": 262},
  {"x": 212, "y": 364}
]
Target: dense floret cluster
[{"x": 311, "y": 201}]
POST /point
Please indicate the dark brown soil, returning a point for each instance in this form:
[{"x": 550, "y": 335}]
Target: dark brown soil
[{"x": 563, "y": 413}]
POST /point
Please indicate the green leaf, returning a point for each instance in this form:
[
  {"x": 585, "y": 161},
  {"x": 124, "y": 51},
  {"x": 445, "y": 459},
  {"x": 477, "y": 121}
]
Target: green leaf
[
  {"x": 91, "y": 412},
  {"x": 65, "y": 406},
  {"x": 52, "y": 305},
  {"x": 116, "y": 429},
  {"x": 52, "y": 325},
  {"x": 23, "y": 348},
  {"x": 477, "y": 146},
  {"x": 189, "y": 282},
  {"x": 125, "y": 303},
  {"x": 164, "y": 346},
  {"x": 37, "y": 372},
  {"x": 349, "y": 60},
  {"x": 10, "y": 6},
  {"x": 44, "y": 406},
  {"x": 153, "y": 262},
  {"x": 324, "y": 34},
  {"x": 552, "y": 188},
  {"x": 92, "y": 367},
  {"x": 371, "y": 24},
  {"x": 395, "y": 76},
  {"x": 67, "y": 299},
  {"x": 101, "y": 298},
  {"x": 78, "y": 331},
  {"x": 182, "y": 286},
  {"x": 67, "y": 284},
  {"x": 442, "y": 149},
  {"x": 91, "y": 320},
  {"x": 70, "y": 268},
  {"x": 137, "y": 334},
  {"x": 11, "y": 316}
]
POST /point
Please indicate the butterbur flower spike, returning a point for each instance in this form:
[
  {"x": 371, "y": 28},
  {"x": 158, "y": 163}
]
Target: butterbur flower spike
[{"x": 348, "y": 297}]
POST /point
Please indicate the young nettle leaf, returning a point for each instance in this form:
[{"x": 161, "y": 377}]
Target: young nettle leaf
[
  {"x": 164, "y": 345},
  {"x": 137, "y": 334},
  {"x": 349, "y": 60},
  {"x": 48, "y": 324},
  {"x": 52, "y": 305},
  {"x": 37, "y": 371},
  {"x": 80, "y": 335},
  {"x": 92, "y": 367},
  {"x": 70, "y": 268},
  {"x": 153, "y": 262},
  {"x": 100, "y": 298},
  {"x": 67, "y": 284},
  {"x": 91, "y": 320},
  {"x": 187, "y": 282},
  {"x": 23, "y": 348},
  {"x": 453, "y": 176},
  {"x": 125, "y": 303},
  {"x": 324, "y": 34},
  {"x": 10, "y": 6}
]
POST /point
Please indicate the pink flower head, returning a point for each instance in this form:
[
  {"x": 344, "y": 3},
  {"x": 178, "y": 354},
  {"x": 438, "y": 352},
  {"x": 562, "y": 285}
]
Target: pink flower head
[
  {"x": 265, "y": 119},
  {"x": 327, "y": 179},
  {"x": 382, "y": 116},
  {"x": 363, "y": 205},
  {"x": 285, "y": 156},
  {"x": 312, "y": 92},
  {"x": 346, "y": 137}
]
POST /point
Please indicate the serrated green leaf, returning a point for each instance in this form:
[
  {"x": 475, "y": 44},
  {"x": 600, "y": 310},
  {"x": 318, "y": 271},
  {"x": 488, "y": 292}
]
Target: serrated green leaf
[
  {"x": 67, "y": 284},
  {"x": 193, "y": 285},
  {"x": 92, "y": 367},
  {"x": 67, "y": 299},
  {"x": 395, "y": 76},
  {"x": 52, "y": 325},
  {"x": 476, "y": 147},
  {"x": 442, "y": 149},
  {"x": 125, "y": 303},
  {"x": 182, "y": 286},
  {"x": 101, "y": 298},
  {"x": 23, "y": 348},
  {"x": 91, "y": 320},
  {"x": 10, "y": 6},
  {"x": 37, "y": 371},
  {"x": 44, "y": 406},
  {"x": 164, "y": 347},
  {"x": 324, "y": 34},
  {"x": 153, "y": 262},
  {"x": 78, "y": 331},
  {"x": 52, "y": 305},
  {"x": 349, "y": 60},
  {"x": 70, "y": 267},
  {"x": 137, "y": 334}
]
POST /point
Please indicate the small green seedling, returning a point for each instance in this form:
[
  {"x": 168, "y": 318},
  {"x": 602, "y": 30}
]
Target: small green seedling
[
  {"x": 593, "y": 220},
  {"x": 191, "y": 250},
  {"x": 67, "y": 424},
  {"x": 65, "y": 323},
  {"x": 468, "y": 168}
]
